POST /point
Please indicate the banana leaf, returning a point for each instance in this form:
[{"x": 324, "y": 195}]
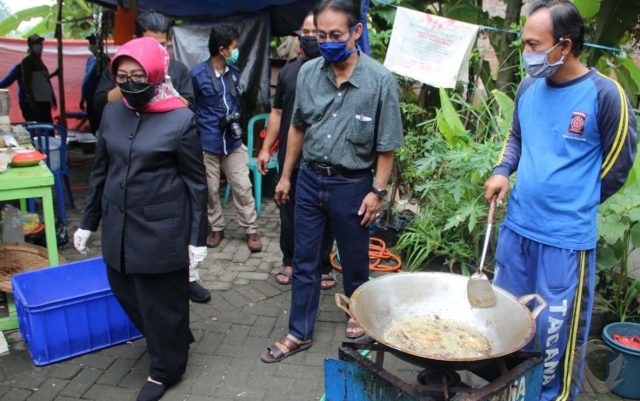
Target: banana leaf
[{"x": 12, "y": 22}]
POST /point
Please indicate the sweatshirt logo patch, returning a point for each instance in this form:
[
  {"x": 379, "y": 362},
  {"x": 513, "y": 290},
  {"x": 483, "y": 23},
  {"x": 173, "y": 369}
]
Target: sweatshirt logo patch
[{"x": 577, "y": 122}]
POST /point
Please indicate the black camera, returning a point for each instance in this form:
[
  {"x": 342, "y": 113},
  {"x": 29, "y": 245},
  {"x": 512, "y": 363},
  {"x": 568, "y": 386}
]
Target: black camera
[{"x": 232, "y": 121}]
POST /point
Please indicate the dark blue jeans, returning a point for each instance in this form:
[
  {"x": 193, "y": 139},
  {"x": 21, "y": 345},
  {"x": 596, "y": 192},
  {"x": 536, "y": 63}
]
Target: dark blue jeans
[
  {"x": 286, "y": 232},
  {"x": 321, "y": 200}
]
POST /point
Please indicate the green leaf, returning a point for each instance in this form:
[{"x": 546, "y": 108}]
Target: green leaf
[
  {"x": 631, "y": 66},
  {"x": 449, "y": 123},
  {"x": 588, "y": 8},
  {"x": 505, "y": 103},
  {"x": 462, "y": 11},
  {"x": 605, "y": 258},
  {"x": 611, "y": 231},
  {"x": 615, "y": 18},
  {"x": 634, "y": 174},
  {"x": 635, "y": 235},
  {"x": 11, "y": 23},
  {"x": 632, "y": 71}
]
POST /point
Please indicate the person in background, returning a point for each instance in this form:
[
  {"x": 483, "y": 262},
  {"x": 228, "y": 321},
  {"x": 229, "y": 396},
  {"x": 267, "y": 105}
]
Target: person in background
[
  {"x": 218, "y": 113},
  {"x": 346, "y": 122},
  {"x": 151, "y": 24},
  {"x": 572, "y": 142},
  {"x": 148, "y": 187},
  {"x": 15, "y": 75},
  {"x": 154, "y": 25},
  {"x": 96, "y": 65},
  {"x": 37, "y": 83},
  {"x": 277, "y": 130}
]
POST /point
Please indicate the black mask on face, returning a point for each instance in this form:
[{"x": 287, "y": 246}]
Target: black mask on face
[
  {"x": 309, "y": 45},
  {"x": 137, "y": 95}
]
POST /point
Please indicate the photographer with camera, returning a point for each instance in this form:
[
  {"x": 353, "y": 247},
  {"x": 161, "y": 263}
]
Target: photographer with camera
[{"x": 216, "y": 87}]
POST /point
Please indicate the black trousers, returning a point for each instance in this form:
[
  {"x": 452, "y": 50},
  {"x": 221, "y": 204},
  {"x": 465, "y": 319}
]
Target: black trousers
[
  {"x": 38, "y": 111},
  {"x": 286, "y": 232},
  {"x": 158, "y": 304},
  {"x": 94, "y": 116}
]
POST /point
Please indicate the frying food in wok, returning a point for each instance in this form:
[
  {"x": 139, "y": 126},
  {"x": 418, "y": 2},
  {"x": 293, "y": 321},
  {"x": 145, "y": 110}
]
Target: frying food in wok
[{"x": 436, "y": 338}]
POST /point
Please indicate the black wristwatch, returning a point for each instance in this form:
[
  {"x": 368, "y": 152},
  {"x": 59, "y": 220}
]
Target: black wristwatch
[{"x": 380, "y": 193}]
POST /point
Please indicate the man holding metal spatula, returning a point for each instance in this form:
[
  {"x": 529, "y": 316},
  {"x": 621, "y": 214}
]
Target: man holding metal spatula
[{"x": 572, "y": 142}]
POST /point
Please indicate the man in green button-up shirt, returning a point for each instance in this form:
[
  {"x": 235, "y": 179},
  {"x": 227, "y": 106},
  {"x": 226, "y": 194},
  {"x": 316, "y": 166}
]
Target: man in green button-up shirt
[{"x": 346, "y": 123}]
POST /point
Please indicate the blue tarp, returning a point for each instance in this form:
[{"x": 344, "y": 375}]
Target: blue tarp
[
  {"x": 284, "y": 20},
  {"x": 199, "y": 8}
]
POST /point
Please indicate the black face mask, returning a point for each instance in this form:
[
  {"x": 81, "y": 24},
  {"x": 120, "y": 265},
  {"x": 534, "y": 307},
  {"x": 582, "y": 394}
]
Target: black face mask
[
  {"x": 137, "y": 95},
  {"x": 309, "y": 45}
]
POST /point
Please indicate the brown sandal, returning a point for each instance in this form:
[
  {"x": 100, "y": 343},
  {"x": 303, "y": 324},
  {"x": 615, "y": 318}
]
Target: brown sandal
[
  {"x": 283, "y": 276},
  {"x": 351, "y": 326},
  {"x": 283, "y": 348},
  {"x": 328, "y": 280}
]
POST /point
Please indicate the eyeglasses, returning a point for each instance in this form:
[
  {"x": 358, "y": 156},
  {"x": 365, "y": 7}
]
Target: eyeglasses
[
  {"x": 333, "y": 36},
  {"x": 136, "y": 78}
]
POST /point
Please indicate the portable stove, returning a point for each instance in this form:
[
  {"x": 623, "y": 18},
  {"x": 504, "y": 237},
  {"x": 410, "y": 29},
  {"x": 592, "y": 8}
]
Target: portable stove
[{"x": 354, "y": 377}]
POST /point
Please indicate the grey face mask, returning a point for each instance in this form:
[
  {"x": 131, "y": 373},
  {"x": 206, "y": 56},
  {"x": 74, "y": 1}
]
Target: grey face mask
[{"x": 537, "y": 63}]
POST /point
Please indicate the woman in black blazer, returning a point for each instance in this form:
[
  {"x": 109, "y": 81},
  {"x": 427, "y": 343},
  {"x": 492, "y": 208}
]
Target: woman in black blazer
[{"x": 148, "y": 188}]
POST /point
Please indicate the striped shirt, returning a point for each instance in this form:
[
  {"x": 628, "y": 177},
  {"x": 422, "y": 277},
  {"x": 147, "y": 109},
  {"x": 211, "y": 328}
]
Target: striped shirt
[{"x": 573, "y": 146}]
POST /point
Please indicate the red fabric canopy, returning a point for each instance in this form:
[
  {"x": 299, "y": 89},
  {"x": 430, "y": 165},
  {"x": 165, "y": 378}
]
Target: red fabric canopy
[{"x": 12, "y": 51}]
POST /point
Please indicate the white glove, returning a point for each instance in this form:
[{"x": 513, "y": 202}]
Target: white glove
[
  {"x": 80, "y": 238},
  {"x": 197, "y": 254}
]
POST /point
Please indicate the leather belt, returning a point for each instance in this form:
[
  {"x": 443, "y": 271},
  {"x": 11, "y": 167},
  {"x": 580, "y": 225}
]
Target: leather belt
[{"x": 329, "y": 170}]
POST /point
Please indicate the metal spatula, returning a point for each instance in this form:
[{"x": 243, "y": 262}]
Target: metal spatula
[{"x": 479, "y": 290}]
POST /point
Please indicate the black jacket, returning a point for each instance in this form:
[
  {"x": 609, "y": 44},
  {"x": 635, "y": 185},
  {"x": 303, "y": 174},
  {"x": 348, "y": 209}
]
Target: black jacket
[{"x": 148, "y": 187}]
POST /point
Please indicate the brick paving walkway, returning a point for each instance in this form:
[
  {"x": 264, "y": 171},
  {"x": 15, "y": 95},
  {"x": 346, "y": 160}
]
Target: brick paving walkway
[{"x": 248, "y": 311}]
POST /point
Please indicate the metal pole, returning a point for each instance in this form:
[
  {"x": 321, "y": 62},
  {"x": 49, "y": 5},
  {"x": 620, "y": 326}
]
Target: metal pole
[{"x": 61, "y": 98}]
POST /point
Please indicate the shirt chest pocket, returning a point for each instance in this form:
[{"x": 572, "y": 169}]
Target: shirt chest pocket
[
  {"x": 362, "y": 104},
  {"x": 361, "y": 129}
]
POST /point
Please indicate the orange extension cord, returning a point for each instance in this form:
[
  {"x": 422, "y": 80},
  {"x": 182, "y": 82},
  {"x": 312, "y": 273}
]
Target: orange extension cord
[{"x": 378, "y": 253}]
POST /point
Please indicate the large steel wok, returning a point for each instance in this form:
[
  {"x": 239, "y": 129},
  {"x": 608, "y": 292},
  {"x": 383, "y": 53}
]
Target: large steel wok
[{"x": 509, "y": 325}]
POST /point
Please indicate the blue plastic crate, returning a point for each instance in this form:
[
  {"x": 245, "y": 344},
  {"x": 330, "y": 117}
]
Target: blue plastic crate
[{"x": 69, "y": 310}]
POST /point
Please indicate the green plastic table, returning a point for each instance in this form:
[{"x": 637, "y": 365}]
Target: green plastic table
[{"x": 23, "y": 183}]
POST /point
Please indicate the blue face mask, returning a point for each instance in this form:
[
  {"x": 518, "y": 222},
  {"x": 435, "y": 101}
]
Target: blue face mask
[
  {"x": 336, "y": 52},
  {"x": 537, "y": 63},
  {"x": 235, "y": 53}
]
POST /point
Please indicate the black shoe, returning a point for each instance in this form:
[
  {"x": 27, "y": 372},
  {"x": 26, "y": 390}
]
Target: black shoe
[
  {"x": 198, "y": 293},
  {"x": 151, "y": 391}
]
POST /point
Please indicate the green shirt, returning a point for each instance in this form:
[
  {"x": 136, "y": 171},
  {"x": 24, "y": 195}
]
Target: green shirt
[{"x": 347, "y": 126}]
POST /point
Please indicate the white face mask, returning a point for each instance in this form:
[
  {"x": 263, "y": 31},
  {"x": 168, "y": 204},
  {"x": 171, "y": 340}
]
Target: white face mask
[{"x": 537, "y": 63}]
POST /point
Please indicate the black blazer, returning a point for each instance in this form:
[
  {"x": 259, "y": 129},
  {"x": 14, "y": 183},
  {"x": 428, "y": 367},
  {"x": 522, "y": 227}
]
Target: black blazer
[{"x": 148, "y": 187}]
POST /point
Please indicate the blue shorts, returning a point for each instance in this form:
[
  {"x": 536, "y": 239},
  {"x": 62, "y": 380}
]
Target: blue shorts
[{"x": 560, "y": 276}]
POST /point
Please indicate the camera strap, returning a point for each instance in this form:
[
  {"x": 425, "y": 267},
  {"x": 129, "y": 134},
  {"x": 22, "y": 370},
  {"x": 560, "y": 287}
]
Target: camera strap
[
  {"x": 230, "y": 80},
  {"x": 232, "y": 84}
]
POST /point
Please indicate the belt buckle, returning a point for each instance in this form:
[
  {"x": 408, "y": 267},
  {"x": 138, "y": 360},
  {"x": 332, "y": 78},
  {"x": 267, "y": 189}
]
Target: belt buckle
[
  {"x": 325, "y": 168},
  {"x": 329, "y": 170}
]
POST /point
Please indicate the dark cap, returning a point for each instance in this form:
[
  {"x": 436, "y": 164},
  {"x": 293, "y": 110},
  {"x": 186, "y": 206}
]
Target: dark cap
[
  {"x": 35, "y": 38},
  {"x": 91, "y": 38}
]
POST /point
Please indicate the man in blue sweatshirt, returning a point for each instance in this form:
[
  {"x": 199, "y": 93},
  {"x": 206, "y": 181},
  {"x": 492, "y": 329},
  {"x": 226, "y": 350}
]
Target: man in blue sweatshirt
[{"x": 572, "y": 142}]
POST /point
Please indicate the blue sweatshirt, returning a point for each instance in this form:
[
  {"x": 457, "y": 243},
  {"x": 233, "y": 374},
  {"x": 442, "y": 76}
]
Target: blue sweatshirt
[{"x": 573, "y": 146}]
